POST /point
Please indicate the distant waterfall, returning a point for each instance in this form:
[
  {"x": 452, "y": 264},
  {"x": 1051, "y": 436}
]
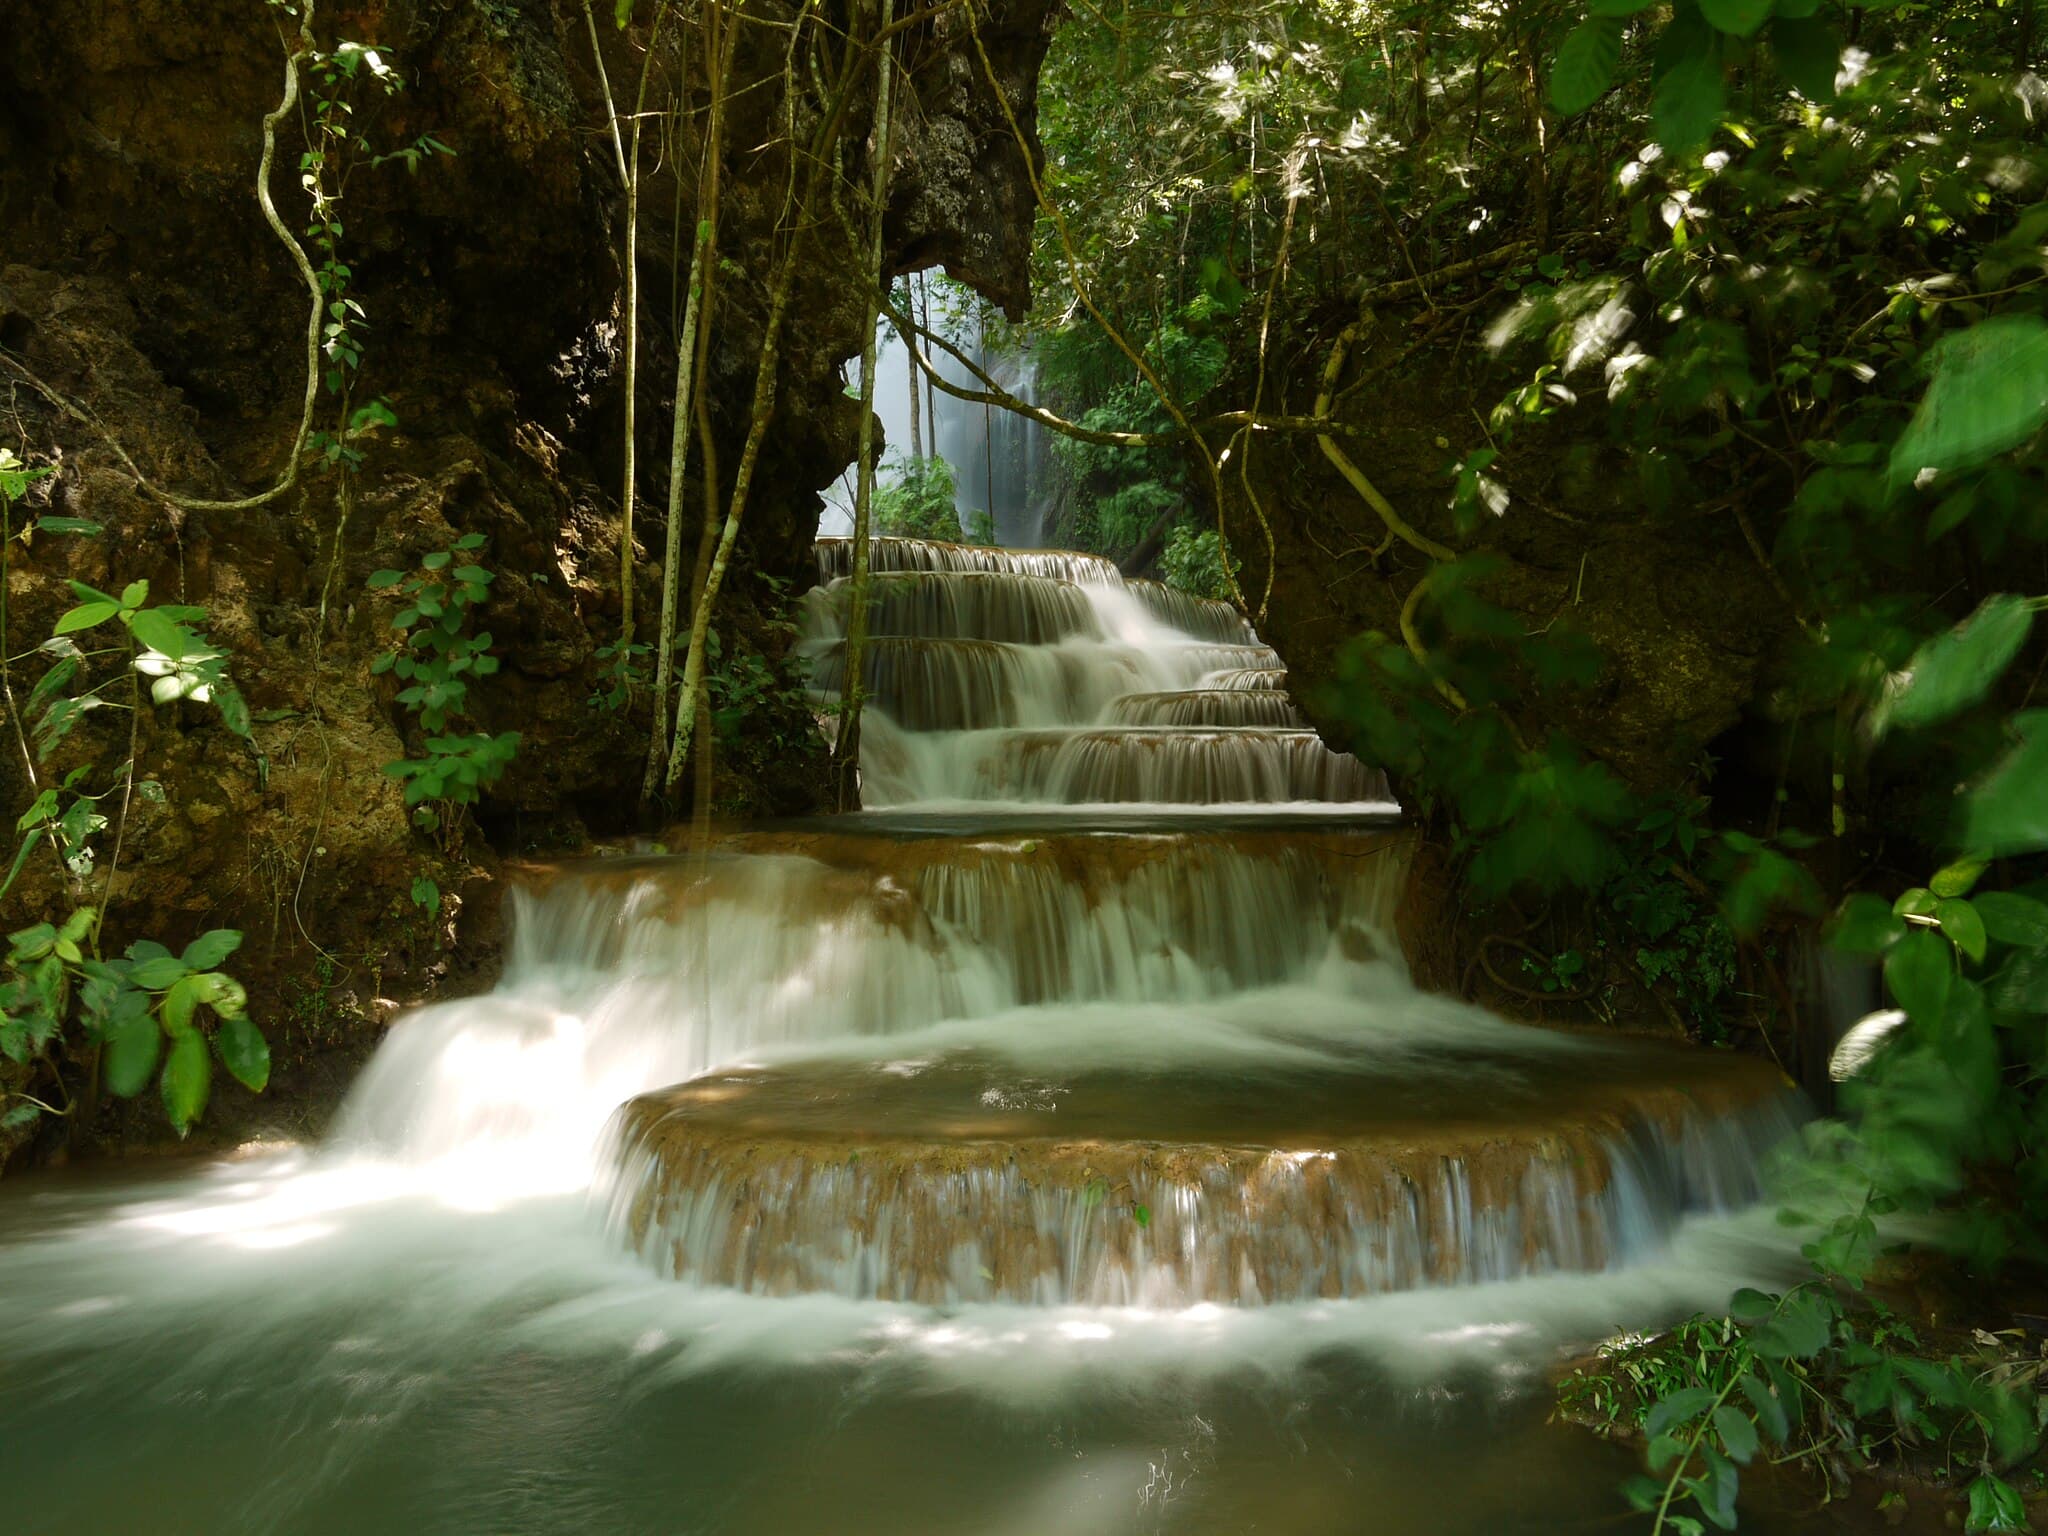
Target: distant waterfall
[{"x": 1000, "y": 460}]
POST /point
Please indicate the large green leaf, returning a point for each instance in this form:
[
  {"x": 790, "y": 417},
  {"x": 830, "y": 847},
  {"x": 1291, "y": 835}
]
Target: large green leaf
[
  {"x": 1919, "y": 972},
  {"x": 132, "y": 1047},
  {"x": 161, "y": 633},
  {"x": 1808, "y": 50},
  {"x": 1738, "y": 1431},
  {"x": 1989, "y": 393},
  {"x": 1586, "y": 62},
  {"x": 188, "y": 1076},
  {"x": 1742, "y": 17},
  {"x": 2008, "y": 812},
  {"x": 244, "y": 1052},
  {"x": 1800, "y": 1330},
  {"x": 158, "y": 972},
  {"x": 212, "y": 947},
  {"x": 1688, "y": 101},
  {"x": 1956, "y": 668},
  {"x": 85, "y": 616},
  {"x": 2011, "y": 918}
]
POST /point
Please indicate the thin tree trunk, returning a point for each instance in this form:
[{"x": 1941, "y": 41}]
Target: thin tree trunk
[
  {"x": 762, "y": 410},
  {"x": 931, "y": 392},
  {"x": 846, "y": 744},
  {"x": 629, "y": 173},
  {"x": 916, "y": 432},
  {"x": 690, "y": 353}
]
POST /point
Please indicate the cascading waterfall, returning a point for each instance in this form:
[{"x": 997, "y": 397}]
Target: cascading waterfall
[
  {"x": 1037, "y": 678},
  {"x": 1081, "y": 1076},
  {"x": 1159, "y": 1069}
]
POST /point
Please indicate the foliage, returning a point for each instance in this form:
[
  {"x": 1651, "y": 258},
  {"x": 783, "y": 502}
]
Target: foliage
[
  {"x": 1196, "y": 561},
  {"x": 1121, "y": 492},
  {"x": 622, "y": 675},
  {"x": 65, "y": 1001},
  {"x": 436, "y": 659},
  {"x": 743, "y": 686},
  {"x": 916, "y": 501},
  {"x": 1815, "y": 1380}
]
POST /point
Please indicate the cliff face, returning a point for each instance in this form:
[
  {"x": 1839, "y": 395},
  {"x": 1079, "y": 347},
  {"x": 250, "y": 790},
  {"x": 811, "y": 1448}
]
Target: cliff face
[{"x": 152, "y": 321}]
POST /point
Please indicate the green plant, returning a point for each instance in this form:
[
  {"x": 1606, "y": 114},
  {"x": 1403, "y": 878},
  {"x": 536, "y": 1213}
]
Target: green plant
[
  {"x": 621, "y": 678},
  {"x": 129, "y": 1006},
  {"x": 740, "y": 685},
  {"x": 66, "y": 1005},
  {"x": 1196, "y": 561},
  {"x": 917, "y": 501},
  {"x": 1823, "y": 1383},
  {"x": 436, "y": 659}
]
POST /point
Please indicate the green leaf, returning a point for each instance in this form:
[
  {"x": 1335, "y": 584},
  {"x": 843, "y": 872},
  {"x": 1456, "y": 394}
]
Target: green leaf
[
  {"x": 1142, "y": 1215},
  {"x": 1770, "y": 1413},
  {"x": 223, "y": 994},
  {"x": 188, "y": 1077},
  {"x": 1801, "y": 1329},
  {"x": 1748, "y": 1305},
  {"x": 1865, "y": 925},
  {"x": 78, "y": 525},
  {"x": 1737, "y": 1433},
  {"x": 1687, "y": 102},
  {"x": 85, "y": 616},
  {"x": 382, "y": 579},
  {"x": 1955, "y": 669},
  {"x": 1919, "y": 971},
  {"x": 1995, "y": 1505},
  {"x": 1808, "y": 51},
  {"x": 133, "y": 1045},
  {"x": 244, "y": 1052},
  {"x": 1989, "y": 393},
  {"x": 1965, "y": 929},
  {"x": 1741, "y": 17},
  {"x": 1586, "y": 63},
  {"x": 2008, "y": 812},
  {"x": 1956, "y": 879},
  {"x": 180, "y": 1002},
  {"x": 157, "y": 973},
  {"x": 1676, "y": 1408},
  {"x": 160, "y": 632},
  {"x": 2011, "y": 918},
  {"x": 212, "y": 947}
]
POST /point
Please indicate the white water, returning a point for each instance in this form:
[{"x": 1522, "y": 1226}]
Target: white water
[
  {"x": 303, "y": 1314},
  {"x": 1039, "y": 678}
]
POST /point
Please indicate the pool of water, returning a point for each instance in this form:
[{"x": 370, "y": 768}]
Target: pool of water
[{"x": 298, "y": 1344}]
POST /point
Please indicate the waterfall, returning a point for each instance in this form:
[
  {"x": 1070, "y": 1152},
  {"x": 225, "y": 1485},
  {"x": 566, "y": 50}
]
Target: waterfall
[
  {"x": 1081, "y": 1072},
  {"x": 1034, "y": 678},
  {"x": 1000, "y": 460}
]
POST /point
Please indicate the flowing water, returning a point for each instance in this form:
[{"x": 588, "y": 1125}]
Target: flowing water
[{"x": 1056, "y": 1146}]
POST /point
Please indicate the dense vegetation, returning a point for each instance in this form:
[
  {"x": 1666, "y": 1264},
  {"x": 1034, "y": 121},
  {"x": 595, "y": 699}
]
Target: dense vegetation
[
  {"x": 1784, "y": 264},
  {"x": 1774, "y": 263}
]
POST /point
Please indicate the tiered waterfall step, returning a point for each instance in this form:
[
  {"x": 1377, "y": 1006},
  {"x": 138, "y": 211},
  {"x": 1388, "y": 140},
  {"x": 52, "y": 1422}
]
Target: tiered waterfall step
[
  {"x": 1176, "y": 765},
  {"x": 966, "y": 1179},
  {"x": 1042, "y": 677},
  {"x": 882, "y": 933},
  {"x": 1198, "y": 707}
]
